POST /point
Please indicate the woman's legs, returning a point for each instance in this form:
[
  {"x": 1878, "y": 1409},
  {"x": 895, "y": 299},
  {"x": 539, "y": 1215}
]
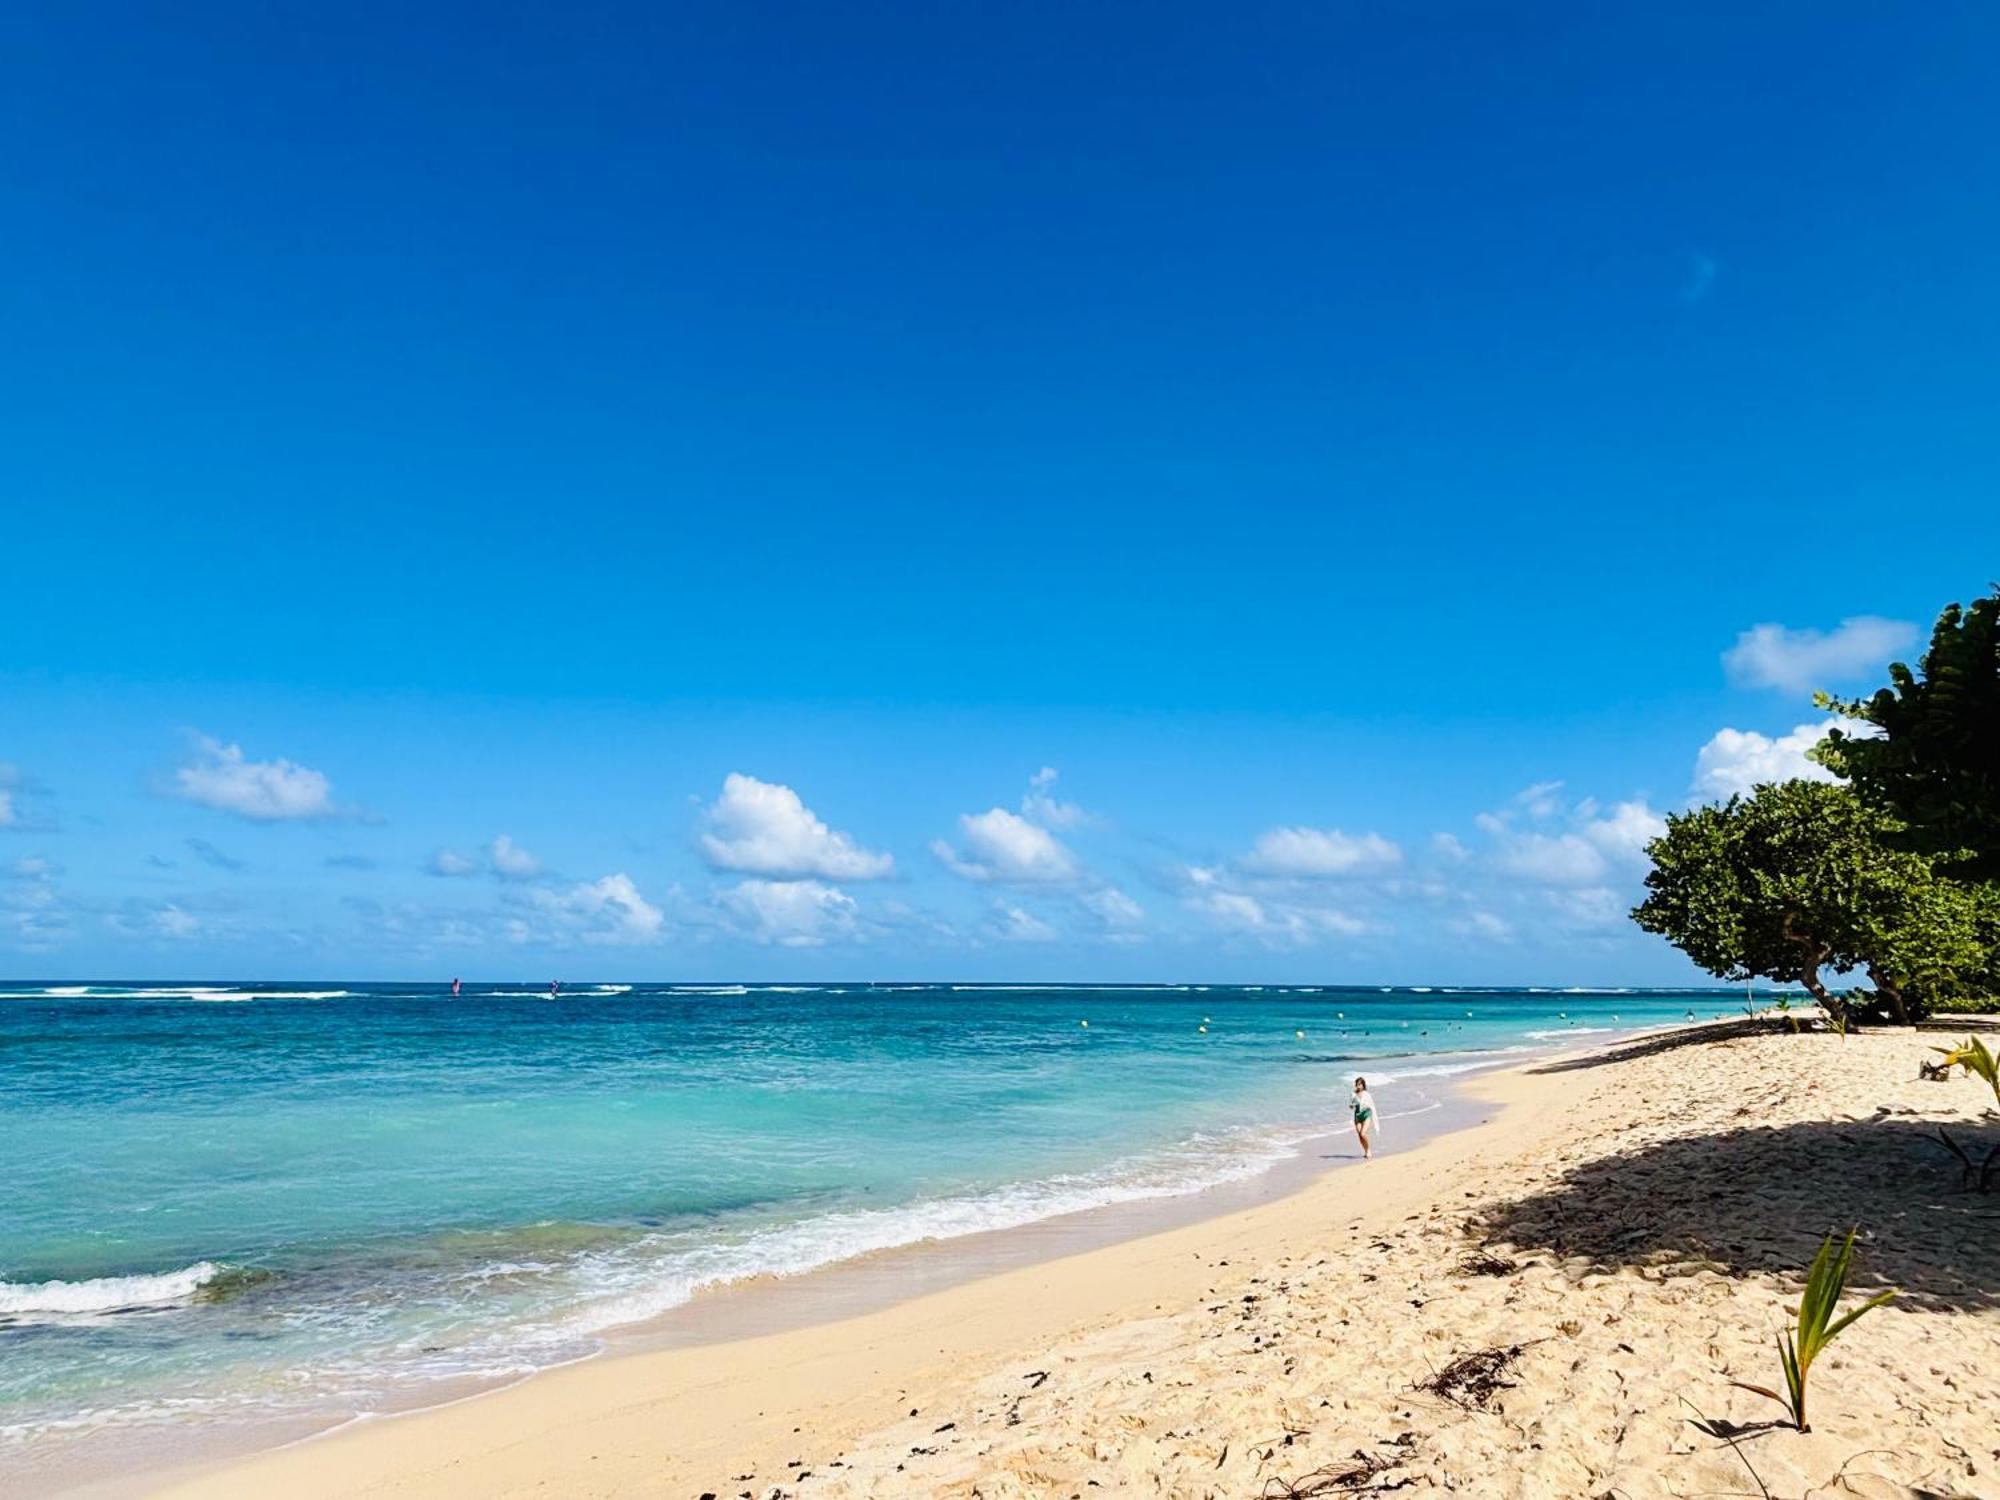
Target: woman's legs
[{"x": 1365, "y": 1131}]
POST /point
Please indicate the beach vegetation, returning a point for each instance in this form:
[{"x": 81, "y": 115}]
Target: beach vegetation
[
  {"x": 1816, "y": 1327},
  {"x": 1931, "y": 760},
  {"x": 1800, "y": 878},
  {"x": 1978, "y": 1061}
]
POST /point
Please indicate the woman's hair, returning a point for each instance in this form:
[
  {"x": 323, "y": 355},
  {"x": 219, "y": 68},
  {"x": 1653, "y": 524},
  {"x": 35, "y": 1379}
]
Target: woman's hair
[{"x": 1360, "y": 1082}]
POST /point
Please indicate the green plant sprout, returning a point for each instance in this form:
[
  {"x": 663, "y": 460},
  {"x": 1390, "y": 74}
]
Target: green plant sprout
[{"x": 1817, "y": 1326}]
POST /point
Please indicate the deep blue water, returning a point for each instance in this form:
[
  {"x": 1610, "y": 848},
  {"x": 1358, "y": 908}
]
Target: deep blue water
[{"x": 325, "y": 1197}]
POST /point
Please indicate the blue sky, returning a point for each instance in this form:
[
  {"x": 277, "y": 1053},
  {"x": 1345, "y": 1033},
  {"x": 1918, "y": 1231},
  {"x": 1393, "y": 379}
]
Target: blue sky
[{"x": 1308, "y": 431}]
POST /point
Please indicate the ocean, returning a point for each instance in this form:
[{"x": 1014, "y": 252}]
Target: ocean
[{"x": 258, "y": 1205}]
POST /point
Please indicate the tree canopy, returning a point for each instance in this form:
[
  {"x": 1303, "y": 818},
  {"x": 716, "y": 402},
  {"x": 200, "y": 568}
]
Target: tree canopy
[
  {"x": 1935, "y": 765},
  {"x": 1799, "y": 877}
]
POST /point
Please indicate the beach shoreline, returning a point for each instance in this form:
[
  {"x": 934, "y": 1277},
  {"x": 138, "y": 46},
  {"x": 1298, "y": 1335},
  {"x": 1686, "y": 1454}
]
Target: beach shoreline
[
  {"x": 781, "y": 1319},
  {"x": 868, "y": 1282},
  {"x": 1216, "y": 1357}
]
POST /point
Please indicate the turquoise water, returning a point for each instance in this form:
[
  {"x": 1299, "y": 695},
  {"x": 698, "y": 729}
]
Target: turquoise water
[{"x": 232, "y": 1201}]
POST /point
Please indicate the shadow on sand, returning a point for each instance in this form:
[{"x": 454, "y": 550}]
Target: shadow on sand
[
  {"x": 1944, "y": 1028},
  {"x": 1760, "y": 1200}
]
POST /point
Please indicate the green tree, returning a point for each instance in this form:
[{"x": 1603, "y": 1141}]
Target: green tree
[
  {"x": 1798, "y": 878},
  {"x": 1935, "y": 764}
]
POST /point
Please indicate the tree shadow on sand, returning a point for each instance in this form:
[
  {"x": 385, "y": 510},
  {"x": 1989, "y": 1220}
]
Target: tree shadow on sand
[
  {"x": 1944, "y": 1028},
  {"x": 1760, "y": 1199}
]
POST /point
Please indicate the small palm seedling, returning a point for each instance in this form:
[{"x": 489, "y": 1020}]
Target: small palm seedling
[
  {"x": 1973, "y": 1056},
  {"x": 1818, "y": 1327}
]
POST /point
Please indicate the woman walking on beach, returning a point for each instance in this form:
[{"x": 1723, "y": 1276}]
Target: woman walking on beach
[{"x": 1364, "y": 1118}]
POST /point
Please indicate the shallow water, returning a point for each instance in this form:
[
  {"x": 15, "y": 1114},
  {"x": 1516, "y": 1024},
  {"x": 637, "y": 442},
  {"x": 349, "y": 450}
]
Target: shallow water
[{"x": 318, "y": 1199}]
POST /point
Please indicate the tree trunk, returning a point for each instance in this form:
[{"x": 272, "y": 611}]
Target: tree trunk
[
  {"x": 1894, "y": 991},
  {"x": 1814, "y": 954}
]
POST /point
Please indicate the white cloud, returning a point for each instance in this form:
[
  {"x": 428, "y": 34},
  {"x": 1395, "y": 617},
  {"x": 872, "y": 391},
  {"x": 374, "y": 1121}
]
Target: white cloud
[
  {"x": 1542, "y": 800},
  {"x": 1278, "y": 924},
  {"x": 608, "y": 912},
  {"x": 510, "y": 860},
  {"x": 1315, "y": 853},
  {"x": 1041, "y": 804},
  {"x": 1624, "y": 832},
  {"x": 31, "y": 867},
  {"x": 265, "y": 791},
  {"x": 450, "y": 862},
  {"x": 1113, "y": 907},
  {"x": 1017, "y": 925},
  {"x": 1800, "y": 661},
  {"x": 1449, "y": 846},
  {"x": 1592, "y": 907},
  {"x": 1548, "y": 859},
  {"x": 1584, "y": 853},
  {"x": 762, "y": 828},
  {"x": 1005, "y": 847},
  {"x": 791, "y": 913},
  {"x": 1736, "y": 760}
]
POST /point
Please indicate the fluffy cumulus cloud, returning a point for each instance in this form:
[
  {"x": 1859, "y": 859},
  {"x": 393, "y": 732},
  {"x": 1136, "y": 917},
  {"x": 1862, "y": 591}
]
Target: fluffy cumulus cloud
[
  {"x": 609, "y": 912},
  {"x": 511, "y": 861},
  {"x": 1576, "y": 844},
  {"x": 1624, "y": 832},
  {"x": 762, "y": 828},
  {"x": 791, "y": 913},
  {"x": 1005, "y": 847},
  {"x": 1547, "y": 858},
  {"x": 264, "y": 791},
  {"x": 1738, "y": 759},
  {"x": 1801, "y": 661},
  {"x": 1319, "y": 853}
]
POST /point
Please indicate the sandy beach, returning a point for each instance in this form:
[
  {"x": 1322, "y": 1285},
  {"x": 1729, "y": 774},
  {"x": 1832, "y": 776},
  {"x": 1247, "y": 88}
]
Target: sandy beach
[{"x": 1614, "y": 1245}]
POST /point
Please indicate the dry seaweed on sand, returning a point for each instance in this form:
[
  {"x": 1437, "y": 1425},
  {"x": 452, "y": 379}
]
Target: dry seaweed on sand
[
  {"x": 1481, "y": 1263},
  {"x": 1473, "y": 1380},
  {"x": 1351, "y": 1476}
]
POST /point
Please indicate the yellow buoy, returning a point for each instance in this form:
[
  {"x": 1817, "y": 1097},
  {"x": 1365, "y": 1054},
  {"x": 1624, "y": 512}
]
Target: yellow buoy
[
  {"x": 1300, "y": 1035},
  {"x": 1084, "y": 1024}
]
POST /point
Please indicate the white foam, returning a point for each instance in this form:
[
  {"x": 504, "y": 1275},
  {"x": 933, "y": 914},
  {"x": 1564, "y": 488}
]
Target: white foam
[
  {"x": 104, "y": 1294},
  {"x": 1563, "y": 1031},
  {"x": 710, "y": 989},
  {"x": 651, "y": 1278}
]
